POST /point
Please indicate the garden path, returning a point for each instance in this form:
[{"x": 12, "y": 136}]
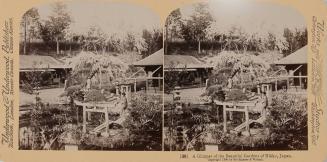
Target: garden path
[
  {"x": 190, "y": 95},
  {"x": 50, "y": 96}
]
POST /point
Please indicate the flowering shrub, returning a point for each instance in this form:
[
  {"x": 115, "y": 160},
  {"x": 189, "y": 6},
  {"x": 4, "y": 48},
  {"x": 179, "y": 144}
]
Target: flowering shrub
[
  {"x": 248, "y": 67},
  {"x": 145, "y": 122},
  {"x": 86, "y": 64},
  {"x": 287, "y": 122}
]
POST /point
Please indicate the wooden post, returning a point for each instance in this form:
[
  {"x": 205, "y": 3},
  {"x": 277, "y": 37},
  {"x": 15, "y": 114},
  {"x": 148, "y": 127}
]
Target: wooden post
[
  {"x": 231, "y": 113},
  {"x": 276, "y": 84},
  {"x": 225, "y": 118},
  {"x": 84, "y": 119},
  {"x": 217, "y": 114},
  {"x": 247, "y": 119},
  {"x": 146, "y": 85},
  {"x": 159, "y": 83},
  {"x": 241, "y": 78},
  {"x": 300, "y": 80},
  {"x": 134, "y": 85},
  {"x": 258, "y": 89},
  {"x": 88, "y": 115},
  {"x": 288, "y": 83},
  {"x": 100, "y": 77},
  {"x": 106, "y": 119},
  {"x": 117, "y": 89},
  {"x": 269, "y": 94}
]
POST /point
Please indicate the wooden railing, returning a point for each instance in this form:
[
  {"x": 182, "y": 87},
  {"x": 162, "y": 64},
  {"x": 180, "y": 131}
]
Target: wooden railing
[{"x": 301, "y": 80}]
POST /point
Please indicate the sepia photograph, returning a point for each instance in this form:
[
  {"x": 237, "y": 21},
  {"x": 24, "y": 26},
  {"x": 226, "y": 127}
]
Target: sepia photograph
[
  {"x": 86, "y": 81},
  {"x": 235, "y": 77}
]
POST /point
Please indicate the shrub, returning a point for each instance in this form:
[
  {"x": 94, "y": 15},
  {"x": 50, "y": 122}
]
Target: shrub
[
  {"x": 48, "y": 122},
  {"x": 215, "y": 92},
  {"x": 287, "y": 122},
  {"x": 145, "y": 122},
  {"x": 74, "y": 92},
  {"x": 94, "y": 96}
]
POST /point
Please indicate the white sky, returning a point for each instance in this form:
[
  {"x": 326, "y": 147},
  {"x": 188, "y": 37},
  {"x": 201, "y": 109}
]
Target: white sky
[
  {"x": 110, "y": 16},
  {"x": 252, "y": 16}
]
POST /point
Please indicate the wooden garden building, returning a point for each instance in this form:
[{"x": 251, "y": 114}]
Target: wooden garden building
[
  {"x": 52, "y": 71},
  {"x": 192, "y": 70},
  {"x": 296, "y": 65},
  {"x": 153, "y": 67}
]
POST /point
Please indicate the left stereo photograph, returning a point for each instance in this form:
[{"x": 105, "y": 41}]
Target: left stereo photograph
[{"x": 90, "y": 77}]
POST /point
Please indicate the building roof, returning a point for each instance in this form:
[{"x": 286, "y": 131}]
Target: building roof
[
  {"x": 184, "y": 62},
  {"x": 27, "y": 62},
  {"x": 152, "y": 60},
  {"x": 297, "y": 57}
]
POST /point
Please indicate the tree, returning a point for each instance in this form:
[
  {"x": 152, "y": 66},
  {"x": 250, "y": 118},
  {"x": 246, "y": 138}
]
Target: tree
[
  {"x": 88, "y": 64},
  {"x": 194, "y": 27},
  {"x": 135, "y": 42},
  {"x": 29, "y": 26},
  {"x": 295, "y": 38},
  {"x": 95, "y": 40},
  {"x": 244, "y": 67},
  {"x": 153, "y": 39},
  {"x": 116, "y": 42},
  {"x": 173, "y": 26},
  {"x": 69, "y": 36},
  {"x": 59, "y": 20},
  {"x": 236, "y": 37}
]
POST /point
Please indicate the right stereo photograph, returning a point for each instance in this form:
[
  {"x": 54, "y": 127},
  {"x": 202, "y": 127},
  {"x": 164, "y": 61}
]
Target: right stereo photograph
[{"x": 235, "y": 77}]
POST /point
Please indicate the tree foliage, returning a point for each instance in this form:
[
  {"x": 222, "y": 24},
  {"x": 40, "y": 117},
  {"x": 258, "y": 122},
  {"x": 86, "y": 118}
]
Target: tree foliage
[
  {"x": 174, "y": 25},
  {"x": 204, "y": 27},
  {"x": 153, "y": 39},
  {"x": 89, "y": 63},
  {"x": 53, "y": 29},
  {"x": 30, "y": 27},
  {"x": 242, "y": 67},
  {"x": 193, "y": 29}
]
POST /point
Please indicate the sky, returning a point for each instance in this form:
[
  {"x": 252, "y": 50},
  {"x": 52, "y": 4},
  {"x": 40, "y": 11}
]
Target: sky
[
  {"x": 252, "y": 16},
  {"x": 111, "y": 17},
  {"x": 115, "y": 17}
]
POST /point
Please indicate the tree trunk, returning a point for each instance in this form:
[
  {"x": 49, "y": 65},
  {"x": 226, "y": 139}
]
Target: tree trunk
[
  {"x": 166, "y": 40},
  {"x": 25, "y": 28},
  {"x": 100, "y": 77},
  {"x": 28, "y": 46},
  {"x": 57, "y": 41},
  {"x": 70, "y": 47}
]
